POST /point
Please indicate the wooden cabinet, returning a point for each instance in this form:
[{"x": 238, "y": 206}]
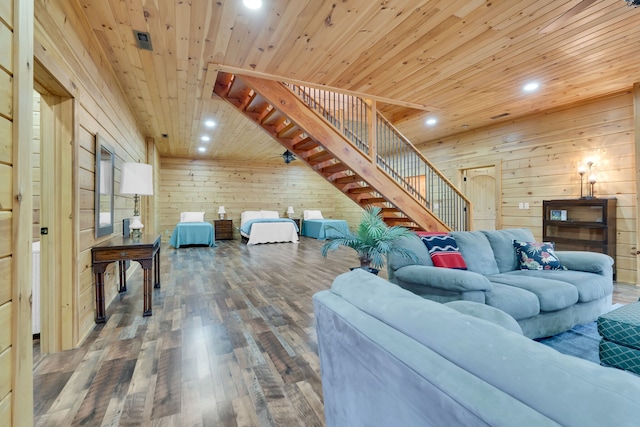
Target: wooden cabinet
[
  {"x": 581, "y": 225},
  {"x": 223, "y": 229}
]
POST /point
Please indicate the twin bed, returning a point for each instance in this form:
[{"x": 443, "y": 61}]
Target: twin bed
[
  {"x": 192, "y": 230},
  {"x": 314, "y": 225},
  {"x": 267, "y": 227}
]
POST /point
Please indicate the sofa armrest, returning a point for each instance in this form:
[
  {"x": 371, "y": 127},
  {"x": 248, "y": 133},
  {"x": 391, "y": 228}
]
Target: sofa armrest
[
  {"x": 443, "y": 278},
  {"x": 591, "y": 262}
]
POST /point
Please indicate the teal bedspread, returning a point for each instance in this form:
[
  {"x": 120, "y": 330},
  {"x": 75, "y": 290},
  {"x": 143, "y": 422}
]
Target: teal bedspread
[
  {"x": 324, "y": 228},
  {"x": 193, "y": 233}
]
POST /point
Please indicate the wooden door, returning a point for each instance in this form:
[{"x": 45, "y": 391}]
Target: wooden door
[{"x": 479, "y": 185}]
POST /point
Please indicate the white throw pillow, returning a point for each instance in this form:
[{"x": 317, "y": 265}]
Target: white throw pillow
[
  {"x": 312, "y": 214},
  {"x": 192, "y": 217},
  {"x": 270, "y": 214}
]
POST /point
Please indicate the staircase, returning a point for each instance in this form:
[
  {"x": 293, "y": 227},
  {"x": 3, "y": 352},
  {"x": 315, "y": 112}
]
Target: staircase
[{"x": 353, "y": 147}]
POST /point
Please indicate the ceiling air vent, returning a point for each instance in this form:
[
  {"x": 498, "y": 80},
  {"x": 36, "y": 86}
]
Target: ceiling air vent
[
  {"x": 143, "y": 40},
  {"x": 499, "y": 116}
]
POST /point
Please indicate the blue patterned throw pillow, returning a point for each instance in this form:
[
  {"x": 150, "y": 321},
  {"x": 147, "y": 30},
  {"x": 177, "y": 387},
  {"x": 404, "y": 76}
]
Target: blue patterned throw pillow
[
  {"x": 537, "y": 256},
  {"x": 444, "y": 251}
]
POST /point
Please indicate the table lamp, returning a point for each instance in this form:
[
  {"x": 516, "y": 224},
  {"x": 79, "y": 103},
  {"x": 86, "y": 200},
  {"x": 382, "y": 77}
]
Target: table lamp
[
  {"x": 221, "y": 212},
  {"x": 136, "y": 179},
  {"x": 290, "y": 211}
]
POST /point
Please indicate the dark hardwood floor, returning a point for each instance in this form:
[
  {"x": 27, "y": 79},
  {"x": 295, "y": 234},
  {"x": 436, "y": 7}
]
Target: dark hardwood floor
[{"x": 231, "y": 343}]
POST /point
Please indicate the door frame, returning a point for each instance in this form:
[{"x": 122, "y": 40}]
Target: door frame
[{"x": 58, "y": 207}]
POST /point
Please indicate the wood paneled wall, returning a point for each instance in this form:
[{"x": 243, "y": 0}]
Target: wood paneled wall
[
  {"x": 203, "y": 185},
  {"x": 540, "y": 156},
  {"x": 16, "y": 207},
  {"x": 69, "y": 51},
  {"x": 6, "y": 203}
]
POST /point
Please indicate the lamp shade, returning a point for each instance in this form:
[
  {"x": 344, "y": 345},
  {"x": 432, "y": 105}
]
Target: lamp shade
[
  {"x": 221, "y": 210},
  {"x": 137, "y": 178}
]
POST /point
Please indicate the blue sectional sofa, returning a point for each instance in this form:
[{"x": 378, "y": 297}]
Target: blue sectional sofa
[
  {"x": 543, "y": 302},
  {"x": 391, "y": 358}
]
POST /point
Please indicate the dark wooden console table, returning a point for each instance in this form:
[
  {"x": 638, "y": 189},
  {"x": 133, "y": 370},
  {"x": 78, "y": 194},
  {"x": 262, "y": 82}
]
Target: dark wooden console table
[{"x": 145, "y": 250}]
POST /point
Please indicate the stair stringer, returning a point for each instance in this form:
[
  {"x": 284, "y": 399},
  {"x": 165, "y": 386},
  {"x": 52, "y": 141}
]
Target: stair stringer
[{"x": 316, "y": 127}]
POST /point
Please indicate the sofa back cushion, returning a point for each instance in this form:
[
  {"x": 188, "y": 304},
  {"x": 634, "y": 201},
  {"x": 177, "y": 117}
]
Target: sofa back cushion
[
  {"x": 413, "y": 243},
  {"x": 501, "y": 242},
  {"x": 477, "y": 252}
]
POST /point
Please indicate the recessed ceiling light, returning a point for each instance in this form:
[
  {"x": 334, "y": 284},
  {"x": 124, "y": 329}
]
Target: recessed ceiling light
[
  {"x": 253, "y": 4},
  {"x": 210, "y": 123},
  {"x": 205, "y": 138},
  {"x": 202, "y": 149},
  {"x": 531, "y": 87},
  {"x": 431, "y": 121}
]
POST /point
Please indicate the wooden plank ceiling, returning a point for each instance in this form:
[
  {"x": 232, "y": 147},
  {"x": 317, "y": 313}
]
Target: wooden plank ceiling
[{"x": 461, "y": 61}]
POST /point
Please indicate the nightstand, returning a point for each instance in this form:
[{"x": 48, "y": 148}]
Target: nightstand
[
  {"x": 223, "y": 229},
  {"x": 298, "y": 222}
]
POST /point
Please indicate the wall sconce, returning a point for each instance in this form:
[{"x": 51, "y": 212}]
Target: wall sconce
[
  {"x": 290, "y": 211},
  {"x": 221, "y": 212},
  {"x": 136, "y": 179},
  {"x": 591, "y": 180}
]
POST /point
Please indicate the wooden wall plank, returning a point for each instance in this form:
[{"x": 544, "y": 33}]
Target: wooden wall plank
[
  {"x": 5, "y": 410},
  {"x": 6, "y": 95},
  {"x": 6, "y": 150},
  {"x": 22, "y": 212},
  {"x": 540, "y": 155},
  {"x": 6, "y": 371},
  {"x": 6, "y": 220},
  {"x": 6, "y": 12},
  {"x": 5, "y": 279},
  {"x": 6, "y": 176},
  {"x": 6, "y": 47},
  {"x": 5, "y": 326}
]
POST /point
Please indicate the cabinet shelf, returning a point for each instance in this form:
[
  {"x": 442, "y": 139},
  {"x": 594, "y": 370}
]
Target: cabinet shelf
[{"x": 581, "y": 224}]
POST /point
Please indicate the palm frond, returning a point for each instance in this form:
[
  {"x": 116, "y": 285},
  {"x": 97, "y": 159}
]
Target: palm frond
[{"x": 373, "y": 239}]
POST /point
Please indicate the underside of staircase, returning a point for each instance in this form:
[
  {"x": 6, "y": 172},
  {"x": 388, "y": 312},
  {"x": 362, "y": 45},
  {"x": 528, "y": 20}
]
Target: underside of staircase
[{"x": 313, "y": 140}]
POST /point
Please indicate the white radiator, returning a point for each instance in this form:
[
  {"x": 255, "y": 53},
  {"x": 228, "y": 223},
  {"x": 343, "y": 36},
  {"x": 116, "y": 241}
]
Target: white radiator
[{"x": 35, "y": 291}]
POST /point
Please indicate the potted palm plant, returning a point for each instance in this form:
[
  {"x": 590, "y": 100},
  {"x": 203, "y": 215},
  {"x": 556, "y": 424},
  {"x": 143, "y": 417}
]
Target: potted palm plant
[{"x": 373, "y": 240}]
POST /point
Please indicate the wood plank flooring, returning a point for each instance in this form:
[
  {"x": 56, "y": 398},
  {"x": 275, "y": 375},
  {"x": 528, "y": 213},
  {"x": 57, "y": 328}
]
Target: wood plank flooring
[{"x": 231, "y": 343}]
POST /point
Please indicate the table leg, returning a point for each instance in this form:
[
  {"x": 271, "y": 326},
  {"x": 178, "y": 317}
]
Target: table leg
[
  {"x": 100, "y": 310},
  {"x": 147, "y": 291},
  {"x": 157, "y": 269},
  {"x": 123, "y": 276}
]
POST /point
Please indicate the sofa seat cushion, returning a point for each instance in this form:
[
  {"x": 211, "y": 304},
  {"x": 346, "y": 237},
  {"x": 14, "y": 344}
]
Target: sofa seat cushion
[
  {"x": 553, "y": 294},
  {"x": 476, "y": 251},
  {"x": 590, "y": 286},
  {"x": 516, "y": 302}
]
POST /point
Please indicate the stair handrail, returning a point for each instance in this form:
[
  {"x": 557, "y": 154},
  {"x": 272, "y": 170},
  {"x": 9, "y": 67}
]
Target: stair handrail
[{"x": 455, "y": 207}]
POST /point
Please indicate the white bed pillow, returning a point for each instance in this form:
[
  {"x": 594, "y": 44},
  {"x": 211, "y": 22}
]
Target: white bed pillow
[
  {"x": 309, "y": 214},
  {"x": 270, "y": 214},
  {"x": 249, "y": 215},
  {"x": 192, "y": 217}
]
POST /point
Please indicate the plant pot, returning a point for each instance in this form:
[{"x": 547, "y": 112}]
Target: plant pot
[{"x": 369, "y": 269}]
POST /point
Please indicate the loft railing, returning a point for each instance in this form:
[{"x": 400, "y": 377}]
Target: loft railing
[{"x": 395, "y": 154}]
